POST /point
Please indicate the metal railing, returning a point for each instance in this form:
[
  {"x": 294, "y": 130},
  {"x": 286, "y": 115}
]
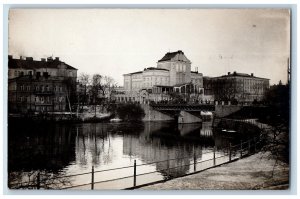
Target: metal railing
[{"x": 232, "y": 153}]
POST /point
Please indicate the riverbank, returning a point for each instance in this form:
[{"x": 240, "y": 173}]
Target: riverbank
[{"x": 257, "y": 171}]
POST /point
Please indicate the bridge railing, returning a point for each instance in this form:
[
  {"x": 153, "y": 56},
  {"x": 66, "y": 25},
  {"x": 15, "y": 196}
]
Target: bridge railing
[{"x": 137, "y": 179}]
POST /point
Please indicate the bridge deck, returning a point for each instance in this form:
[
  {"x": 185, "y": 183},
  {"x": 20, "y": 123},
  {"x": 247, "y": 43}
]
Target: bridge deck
[{"x": 186, "y": 107}]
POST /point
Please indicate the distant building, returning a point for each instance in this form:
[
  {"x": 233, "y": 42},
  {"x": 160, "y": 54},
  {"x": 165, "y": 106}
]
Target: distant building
[
  {"x": 40, "y": 86},
  {"x": 240, "y": 86},
  {"x": 172, "y": 74}
]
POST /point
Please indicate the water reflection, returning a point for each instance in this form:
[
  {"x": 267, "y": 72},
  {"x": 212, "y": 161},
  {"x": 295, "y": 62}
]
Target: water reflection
[{"x": 75, "y": 148}]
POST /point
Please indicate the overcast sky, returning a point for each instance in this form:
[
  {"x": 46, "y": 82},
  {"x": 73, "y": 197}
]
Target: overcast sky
[{"x": 115, "y": 41}]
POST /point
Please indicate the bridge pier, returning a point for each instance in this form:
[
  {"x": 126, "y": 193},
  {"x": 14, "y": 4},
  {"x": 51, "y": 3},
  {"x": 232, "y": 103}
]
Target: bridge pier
[
  {"x": 153, "y": 115},
  {"x": 187, "y": 118}
]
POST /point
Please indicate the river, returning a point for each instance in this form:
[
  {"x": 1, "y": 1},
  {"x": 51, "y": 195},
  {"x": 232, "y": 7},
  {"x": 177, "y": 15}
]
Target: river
[{"x": 60, "y": 150}]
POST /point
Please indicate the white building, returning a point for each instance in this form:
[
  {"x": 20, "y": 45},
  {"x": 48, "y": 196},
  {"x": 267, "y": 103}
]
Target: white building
[{"x": 172, "y": 74}]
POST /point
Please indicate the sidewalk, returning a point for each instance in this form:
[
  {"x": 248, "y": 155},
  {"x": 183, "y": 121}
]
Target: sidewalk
[{"x": 253, "y": 172}]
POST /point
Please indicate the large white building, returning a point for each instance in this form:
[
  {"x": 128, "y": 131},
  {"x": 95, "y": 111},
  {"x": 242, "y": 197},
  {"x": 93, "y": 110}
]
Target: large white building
[{"x": 172, "y": 74}]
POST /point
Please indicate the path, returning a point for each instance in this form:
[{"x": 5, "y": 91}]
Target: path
[{"x": 253, "y": 172}]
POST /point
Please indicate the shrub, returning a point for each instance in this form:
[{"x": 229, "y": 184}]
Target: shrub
[{"x": 130, "y": 112}]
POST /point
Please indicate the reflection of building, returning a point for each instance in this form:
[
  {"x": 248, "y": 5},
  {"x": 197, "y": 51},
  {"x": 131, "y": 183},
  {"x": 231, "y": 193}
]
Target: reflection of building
[
  {"x": 172, "y": 74},
  {"x": 152, "y": 149},
  {"x": 206, "y": 129},
  {"x": 42, "y": 147},
  {"x": 39, "y": 86},
  {"x": 239, "y": 86}
]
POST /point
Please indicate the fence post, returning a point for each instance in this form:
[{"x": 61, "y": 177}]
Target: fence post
[
  {"x": 134, "y": 174},
  {"x": 214, "y": 155},
  {"x": 241, "y": 148},
  {"x": 229, "y": 151},
  {"x": 38, "y": 181},
  {"x": 195, "y": 161},
  {"x": 92, "y": 180},
  {"x": 254, "y": 145},
  {"x": 249, "y": 147}
]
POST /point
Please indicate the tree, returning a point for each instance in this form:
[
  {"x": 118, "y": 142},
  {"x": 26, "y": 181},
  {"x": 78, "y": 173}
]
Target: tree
[
  {"x": 278, "y": 118},
  {"x": 84, "y": 81},
  {"x": 109, "y": 87},
  {"x": 70, "y": 91},
  {"x": 97, "y": 90},
  {"x": 130, "y": 112}
]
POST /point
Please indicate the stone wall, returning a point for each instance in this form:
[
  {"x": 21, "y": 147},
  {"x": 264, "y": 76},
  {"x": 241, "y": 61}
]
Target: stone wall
[
  {"x": 225, "y": 110},
  {"x": 153, "y": 115},
  {"x": 187, "y": 118}
]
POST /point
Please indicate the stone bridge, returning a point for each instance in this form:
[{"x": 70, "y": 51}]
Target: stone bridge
[
  {"x": 183, "y": 107},
  {"x": 186, "y": 113}
]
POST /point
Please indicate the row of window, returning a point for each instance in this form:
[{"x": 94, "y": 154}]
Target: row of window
[
  {"x": 42, "y": 88},
  {"x": 46, "y": 108},
  {"x": 18, "y": 73},
  {"x": 41, "y": 99}
]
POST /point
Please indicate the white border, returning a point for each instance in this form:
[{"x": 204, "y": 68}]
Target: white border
[{"x": 149, "y": 3}]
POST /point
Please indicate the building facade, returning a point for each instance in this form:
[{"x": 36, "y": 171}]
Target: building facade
[
  {"x": 40, "y": 86},
  {"x": 172, "y": 74},
  {"x": 239, "y": 86}
]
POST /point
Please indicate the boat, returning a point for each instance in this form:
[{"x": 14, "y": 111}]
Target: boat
[
  {"x": 228, "y": 131},
  {"x": 115, "y": 120}
]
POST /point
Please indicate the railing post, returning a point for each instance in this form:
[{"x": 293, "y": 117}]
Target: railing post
[
  {"x": 249, "y": 147},
  {"x": 254, "y": 145},
  {"x": 92, "y": 180},
  {"x": 229, "y": 151},
  {"x": 134, "y": 174},
  {"x": 38, "y": 181},
  {"x": 195, "y": 161},
  {"x": 214, "y": 155},
  {"x": 241, "y": 148}
]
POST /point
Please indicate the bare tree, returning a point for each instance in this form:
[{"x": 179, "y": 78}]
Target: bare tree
[
  {"x": 97, "y": 90},
  {"x": 84, "y": 81},
  {"x": 70, "y": 91},
  {"x": 109, "y": 85}
]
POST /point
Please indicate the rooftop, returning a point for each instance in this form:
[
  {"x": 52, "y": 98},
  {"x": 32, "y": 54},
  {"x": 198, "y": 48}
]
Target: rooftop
[
  {"x": 170, "y": 55},
  {"x": 29, "y": 63},
  {"x": 235, "y": 74},
  {"x": 153, "y": 68}
]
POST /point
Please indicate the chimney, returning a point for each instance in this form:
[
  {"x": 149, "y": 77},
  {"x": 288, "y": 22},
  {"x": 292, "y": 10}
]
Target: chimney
[
  {"x": 10, "y": 56},
  {"x": 251, "y": 74},
  {"x": 234, "y": 72},
  {"x": 21, "y": 57},
  {"x": 43, "y": 59},
  {"x": 29, "y": 59},
  {"x": 228, "y": 73},
  {"x": 57, "y": 58}
]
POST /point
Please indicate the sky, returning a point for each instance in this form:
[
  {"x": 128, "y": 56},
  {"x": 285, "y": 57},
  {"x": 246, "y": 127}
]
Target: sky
[{"x": 114, "y": 42}]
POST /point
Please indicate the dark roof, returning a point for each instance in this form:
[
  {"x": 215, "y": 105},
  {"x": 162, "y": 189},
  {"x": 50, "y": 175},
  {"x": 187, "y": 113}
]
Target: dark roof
[
  {"x": 34, "y": 64},
  {"x": 163, "y": 86},
  {"x": 235, "y": 74},
  {"x": 170, "y": 55},
  {"x": 238, "y": 74},
  {"x": 134, "y": 73},
  {"x": 153, "y": 68},
  {"x": 181, "y": 84}
]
